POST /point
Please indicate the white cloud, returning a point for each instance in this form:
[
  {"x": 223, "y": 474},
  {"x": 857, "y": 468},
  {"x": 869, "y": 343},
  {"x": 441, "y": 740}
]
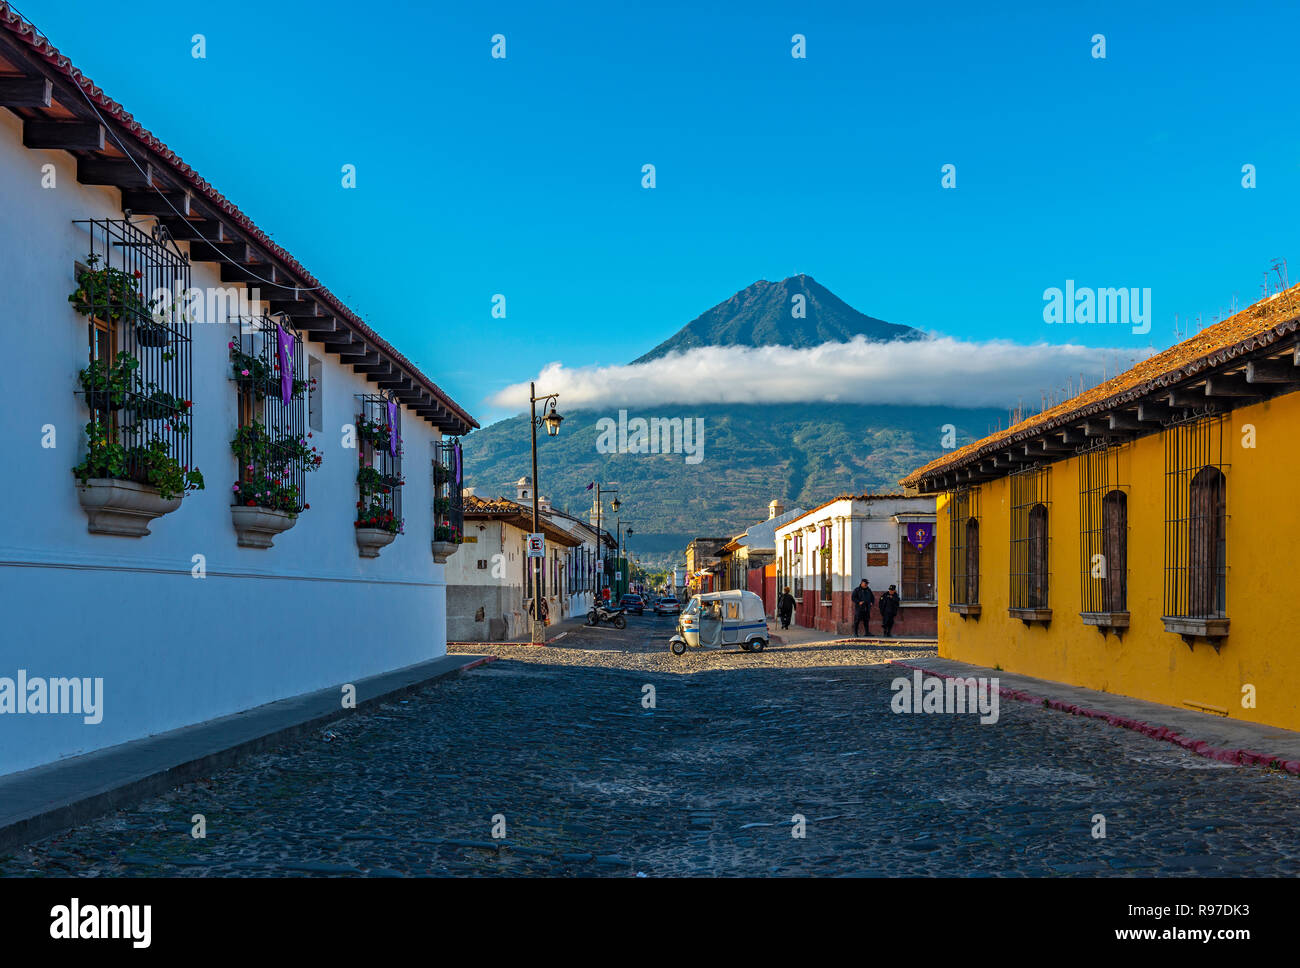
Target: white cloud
[{"x": 940, "y": 370}]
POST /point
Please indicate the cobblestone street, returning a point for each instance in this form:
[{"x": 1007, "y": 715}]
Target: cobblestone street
[{"x": 556, "y": 740}]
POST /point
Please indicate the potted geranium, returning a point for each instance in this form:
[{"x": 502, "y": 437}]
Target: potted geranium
[
  {"x": 266, "y": 500},
  {"x": 122, "y": 489},
  {"x": 446, "y": 542},
  {"x": 376, "y": 527}
]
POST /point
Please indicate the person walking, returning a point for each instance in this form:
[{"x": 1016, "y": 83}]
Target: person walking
[
  {"x": 785, "y": 608},
  {"x": 888, "y": 610},
  {"x": 863, "y": 598}
]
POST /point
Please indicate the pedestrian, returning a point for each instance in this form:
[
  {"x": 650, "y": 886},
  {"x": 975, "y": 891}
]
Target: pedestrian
[
  {"x": 863, "y": 598},
  {"x": 785, "y": 608},
  {"x": 888, "y": 610}
]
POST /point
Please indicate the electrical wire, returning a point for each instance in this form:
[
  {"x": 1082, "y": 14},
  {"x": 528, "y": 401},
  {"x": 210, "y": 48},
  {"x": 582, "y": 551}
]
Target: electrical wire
[{"x": 161, "y": 194}]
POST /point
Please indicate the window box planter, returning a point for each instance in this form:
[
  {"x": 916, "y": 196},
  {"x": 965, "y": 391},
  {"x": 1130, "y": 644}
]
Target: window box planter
[
  {"x": 123, "y": 508},
  {"x": 961, "y": 608},
  {"x": 1106, "y": 621},
  {"x": 257, "y": 527},
  {"x": 371, "y": 540},
  {"x": 442, "y": 550}
]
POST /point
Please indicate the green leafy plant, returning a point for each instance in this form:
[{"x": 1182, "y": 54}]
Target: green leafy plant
[
  {"x": 108, "y": 386},
  {"x": 441, "y": 473},
  {"x": 373, "y": 432},
  {"x": 105, "y": 457},
  {"x": 268, "y": 464},
  {"x": 148, "y": 463},
  {"x": 110, "y": 294},
  {"x": 375, "y": 515},
  {"x": 446, "y": 532},
  {"x": 163, "y": 471},
  {"x": 263, "y": 377}
]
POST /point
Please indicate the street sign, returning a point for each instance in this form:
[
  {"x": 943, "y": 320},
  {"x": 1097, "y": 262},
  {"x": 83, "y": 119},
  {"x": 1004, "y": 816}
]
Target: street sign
[
  {"x": 877, "y": 545},
  {"x": 536, "y": 545}
]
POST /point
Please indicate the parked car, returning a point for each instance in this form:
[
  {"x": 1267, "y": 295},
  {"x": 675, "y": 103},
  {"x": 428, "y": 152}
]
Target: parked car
[
  {"x": 668, "y": 606},
  {"x": 632, "y": 603}
]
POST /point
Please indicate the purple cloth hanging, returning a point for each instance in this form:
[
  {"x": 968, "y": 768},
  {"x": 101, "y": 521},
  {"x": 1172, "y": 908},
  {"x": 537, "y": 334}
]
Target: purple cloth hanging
[
  {"x": 284, "y": 344},
  {"x": 392, "y": 427},
  {"x": 459, "y": 479}
]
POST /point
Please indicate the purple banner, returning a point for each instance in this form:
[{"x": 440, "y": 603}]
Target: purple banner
[
  {"x": 825, "y": 535},
  {"x": 284, "y": 344},
  {"x": 920, "y": 535},
  {"x": 458, "y": 475},
  {"x": 392, "y": 427}
]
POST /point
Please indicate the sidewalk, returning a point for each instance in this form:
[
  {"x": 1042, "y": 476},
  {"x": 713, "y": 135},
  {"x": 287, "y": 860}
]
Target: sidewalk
[
  {"x": 798, "y": 635},
  {"x": 553, "y": 631},
  {"x": 40, "y": 801},
  {"x": 1215, "y": 737}
]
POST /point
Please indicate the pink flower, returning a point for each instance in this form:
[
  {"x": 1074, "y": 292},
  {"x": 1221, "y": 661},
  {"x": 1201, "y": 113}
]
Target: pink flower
[{"x": 243, "y": 373}]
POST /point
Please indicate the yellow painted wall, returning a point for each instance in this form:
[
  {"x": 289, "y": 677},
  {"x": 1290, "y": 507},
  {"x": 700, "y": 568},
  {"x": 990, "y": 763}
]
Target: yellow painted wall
[{"x": 1263, "y": 575}]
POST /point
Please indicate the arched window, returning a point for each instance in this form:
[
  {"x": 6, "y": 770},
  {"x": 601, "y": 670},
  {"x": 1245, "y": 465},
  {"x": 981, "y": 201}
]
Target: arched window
[
  {"x": 972, "y": 561},
  {"x": 1038, "y": 556},
  {"x": 1206, "y": 544},
  {"x": 1114, "y": 548}
]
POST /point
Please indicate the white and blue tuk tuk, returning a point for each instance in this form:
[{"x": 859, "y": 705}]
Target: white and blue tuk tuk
[{"x": 721, "y": 620}]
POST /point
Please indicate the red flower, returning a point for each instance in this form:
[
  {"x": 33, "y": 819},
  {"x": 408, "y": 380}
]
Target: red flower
[
  {"x": 306, "y": 507},
  {"x": 138, "y": 274},
  {"x": 252, "y": 504}
]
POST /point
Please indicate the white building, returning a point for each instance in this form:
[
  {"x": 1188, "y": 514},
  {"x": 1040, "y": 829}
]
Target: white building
[
  {"x": 188, "y": 619},
  {"x": 489, "y": 582},
  {"x": 887, "y": 539}
]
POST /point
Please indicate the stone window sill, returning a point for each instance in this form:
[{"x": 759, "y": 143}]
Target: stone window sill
[
  {"x": 1029, "y": 615},
  {"x": 1202, "y": 628},
  {"x": 1105, "y": 620}
]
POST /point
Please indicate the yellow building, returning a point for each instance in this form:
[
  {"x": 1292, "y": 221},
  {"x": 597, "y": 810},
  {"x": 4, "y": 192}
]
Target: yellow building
[{"x": 1136, "y": 539}]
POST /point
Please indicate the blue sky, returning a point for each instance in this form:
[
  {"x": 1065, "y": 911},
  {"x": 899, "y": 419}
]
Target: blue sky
[{"x": 522, "y": 176}]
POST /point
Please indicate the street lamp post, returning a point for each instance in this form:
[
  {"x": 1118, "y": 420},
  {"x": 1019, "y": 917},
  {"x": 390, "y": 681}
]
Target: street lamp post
[
  {"x": 600, "y": 548},
  {"x": 552, "y": 421}
]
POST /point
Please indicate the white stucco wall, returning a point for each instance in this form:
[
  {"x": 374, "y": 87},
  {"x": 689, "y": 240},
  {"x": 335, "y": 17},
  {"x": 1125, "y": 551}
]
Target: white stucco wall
[
  {"x": 860, "y": 522},
  {"x": 172, "y": 649}
]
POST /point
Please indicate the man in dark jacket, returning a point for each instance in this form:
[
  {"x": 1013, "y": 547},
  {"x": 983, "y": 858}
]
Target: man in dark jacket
[
  {"x": 785, "y": 608},
  {"x": 862, "y": 602},
  {"x": 888, "y": 610}
]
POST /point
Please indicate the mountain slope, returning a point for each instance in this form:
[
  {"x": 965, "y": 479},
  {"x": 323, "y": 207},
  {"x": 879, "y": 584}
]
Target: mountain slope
[
  {"x": 803, "y": 454},
  {"x": 762, "y": 315}
]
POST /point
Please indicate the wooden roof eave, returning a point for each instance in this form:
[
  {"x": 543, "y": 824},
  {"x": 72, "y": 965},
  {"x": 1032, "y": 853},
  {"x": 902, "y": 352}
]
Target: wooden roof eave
[
  {"x": 57, "y": 113},
  {"x": 1216, "y": 383}
]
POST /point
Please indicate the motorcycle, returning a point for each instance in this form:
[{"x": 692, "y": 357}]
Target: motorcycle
[{"x": 603, "y": 613}]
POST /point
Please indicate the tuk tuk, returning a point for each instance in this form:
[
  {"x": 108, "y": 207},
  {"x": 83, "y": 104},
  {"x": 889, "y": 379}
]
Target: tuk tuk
[{"x": 720, "y": 620}]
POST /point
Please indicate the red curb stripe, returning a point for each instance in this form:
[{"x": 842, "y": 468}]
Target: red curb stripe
[
  {"x": 478, "y": 662},
  {"x": 1200, "y": 747}
]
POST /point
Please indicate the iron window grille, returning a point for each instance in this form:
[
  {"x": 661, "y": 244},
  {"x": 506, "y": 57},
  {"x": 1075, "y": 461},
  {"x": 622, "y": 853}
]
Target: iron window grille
[
  {"x": 1196, "y": 547},
  {"x": 379, "y": 455},
  {"x": 274, "y": 452},
  {"x": 964, "y": 547},
  {"x": 1030, "y": 512},
  {"x": 138, "y": 386},
  {"x": 448, "y": 491},
  {"x": 1103, "y": 531}
]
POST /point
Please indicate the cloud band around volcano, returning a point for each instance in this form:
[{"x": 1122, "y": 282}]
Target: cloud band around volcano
[{"x": 940, "y": 371}]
